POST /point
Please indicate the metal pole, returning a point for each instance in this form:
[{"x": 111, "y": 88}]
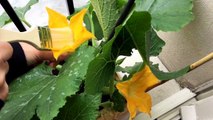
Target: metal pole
[
  {"x": 13, "y": 16},
  {"x": 123, "y": 16},
  {"x": 70, "y": 6}
]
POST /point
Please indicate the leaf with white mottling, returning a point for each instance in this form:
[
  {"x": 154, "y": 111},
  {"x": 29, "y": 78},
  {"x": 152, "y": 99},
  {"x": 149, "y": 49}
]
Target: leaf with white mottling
[{"x": 40, "y": 91}]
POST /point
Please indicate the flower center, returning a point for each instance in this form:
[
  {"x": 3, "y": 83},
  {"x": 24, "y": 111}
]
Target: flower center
[{"x": 61, "y": 37}]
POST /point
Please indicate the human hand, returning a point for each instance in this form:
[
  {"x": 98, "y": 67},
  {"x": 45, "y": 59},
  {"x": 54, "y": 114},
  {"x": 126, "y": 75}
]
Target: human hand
[{"x": 32, "y": 57}]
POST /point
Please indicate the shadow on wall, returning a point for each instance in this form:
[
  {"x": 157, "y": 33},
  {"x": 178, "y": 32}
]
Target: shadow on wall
[{"x": 191, "y": 44}]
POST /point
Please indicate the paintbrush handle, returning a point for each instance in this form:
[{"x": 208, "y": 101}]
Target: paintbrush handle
[{"x": 30, "y": 36}]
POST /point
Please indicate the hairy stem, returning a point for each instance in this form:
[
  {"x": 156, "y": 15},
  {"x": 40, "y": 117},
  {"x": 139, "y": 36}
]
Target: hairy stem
[
  {"x": 28, "y": 24},
  {"x": 92, "y": 29},
  {"x": 122, "y": 17},
  {"x": 111, "y": 87},
  {"x": 106, "y": 104}
]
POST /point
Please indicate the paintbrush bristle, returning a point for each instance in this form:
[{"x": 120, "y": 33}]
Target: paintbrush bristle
[{"x": 55, "y": 37}]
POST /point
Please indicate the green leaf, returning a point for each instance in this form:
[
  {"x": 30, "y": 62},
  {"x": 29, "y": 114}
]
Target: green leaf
[
  {"x": 20, "y": 11},
  {"x": 120, "y": 61},
  {"x": 100, "y": 71},
  {"x": 156, "y": 44},
  {"x": 123, "y": 44},
  {"x": 131, "y": 69},
  {"x": 93, "y": 24},
  {"x": 80, "y": 107},
  {"x": 121, "y": 3},
  {"x": 170, "y": 75},
  {"x": 107, "y": 13},
  {"x": 40, "y": 91},
  {"x": 97, "y": 27},
  {"x": 167, "y": 15},
  {"x": 137, "y": 25},
  {"x": 119, "y": 101},
  {"x": 4, "y": 19},
  {"x": 139, "y": 28}
]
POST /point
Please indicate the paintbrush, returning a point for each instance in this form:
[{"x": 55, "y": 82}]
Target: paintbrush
[{"x": 42, "y": 38}]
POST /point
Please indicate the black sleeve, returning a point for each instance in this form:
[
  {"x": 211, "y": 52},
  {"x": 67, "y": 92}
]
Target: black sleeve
[
  {"x": 17, "y": 63},
  {"x": 1, "y": 103}
]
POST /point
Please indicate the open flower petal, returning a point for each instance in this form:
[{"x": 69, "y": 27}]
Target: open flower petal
[
  {"x": 66, "y": 37},
  {"x": 81, "y": 34},
  {"x": 134, "y": 91},
  {"x": 56, "y": 20}
]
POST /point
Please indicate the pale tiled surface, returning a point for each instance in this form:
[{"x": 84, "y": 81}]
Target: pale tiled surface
[
  {"x": 168, "y": 104},
  {"x": 176, "y": 111},
  {"x": 200, "y": 110}
]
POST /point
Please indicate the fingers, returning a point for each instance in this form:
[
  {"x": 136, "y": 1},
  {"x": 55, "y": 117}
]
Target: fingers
[
  {"x": 4, "y": 90},
  {"x": 6, "y": 51},
  {"x": 46, "y": 55},
  {"x": 60, "y": 59},
  {"x": 4, "y": 67},
  {"x": 35, "y": 56},
  {"x": 63, "y": 57}
]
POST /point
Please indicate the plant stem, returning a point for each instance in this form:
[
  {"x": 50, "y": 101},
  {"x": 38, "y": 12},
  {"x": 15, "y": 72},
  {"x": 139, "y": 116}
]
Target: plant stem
[
  {"x": 201, "y": 61},
  {"x": 92, "y": 29},
  {"x": 106, "y": 104},
  {"x": 28, "y": 24},
  {"x": 105, "y": 90},
  {"x": 122, "y": 17},
  {"x": 111, "y": 87}
]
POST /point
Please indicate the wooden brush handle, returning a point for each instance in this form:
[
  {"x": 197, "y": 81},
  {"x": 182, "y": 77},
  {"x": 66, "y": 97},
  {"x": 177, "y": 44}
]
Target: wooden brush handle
[{"x": 31, "y": 36}]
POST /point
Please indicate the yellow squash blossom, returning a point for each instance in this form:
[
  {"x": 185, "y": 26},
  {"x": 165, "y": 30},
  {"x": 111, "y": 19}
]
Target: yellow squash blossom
[
  {"x": 67, "y": 35},
  {"x": 134, "y": 91}
]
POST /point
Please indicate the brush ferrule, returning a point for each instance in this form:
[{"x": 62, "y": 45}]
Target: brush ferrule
[{"x": 45, "y": 37}]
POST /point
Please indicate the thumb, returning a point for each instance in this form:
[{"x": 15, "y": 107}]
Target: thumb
[
  {"x": 45, "y": 55},
  {"x": 35, "y": 56}
]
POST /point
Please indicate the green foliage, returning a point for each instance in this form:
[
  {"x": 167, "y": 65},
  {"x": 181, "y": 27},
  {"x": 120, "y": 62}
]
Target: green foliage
[
  {"x": 20, "y": 11},
  {"x": 123, "y": 44},
  {"x": 156, "y": 44},
  {"x": 167, "y": 15},
  {"x": 137, "y": 26},
  {"x": 45, "y": 93},
  {"x": 4, "y": 19},
  {"x": 170, "y": 75},
  {"x": 144, "y": 40},
  {"x": 130, "y": 69},
  {"x": 119, "y": 61},
  {"x": 107, "y": 13},
  {"x": 92, "y": 23},
  {"x": 41, "y": 95},
  {"x": 100, "y": 71},
  {"x": 80, "y": 107},
  {"x": 119, "y": 102},
  {"x": 97, "y": 27}
]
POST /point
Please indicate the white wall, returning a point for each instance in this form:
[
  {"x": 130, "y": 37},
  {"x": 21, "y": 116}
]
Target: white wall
[
  {"x": 37, "y": 15},
  {"x": 191, "y": 44}
]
